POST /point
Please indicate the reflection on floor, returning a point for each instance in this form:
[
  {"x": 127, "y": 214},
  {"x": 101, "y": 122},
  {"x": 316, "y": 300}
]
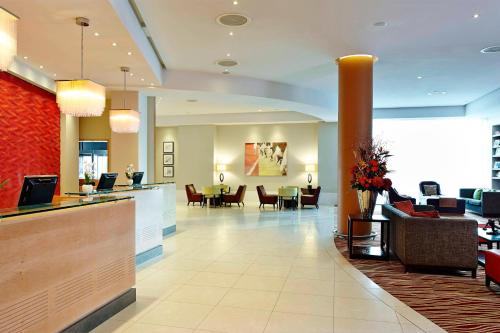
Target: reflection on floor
[{"x": 243, "y": 270}]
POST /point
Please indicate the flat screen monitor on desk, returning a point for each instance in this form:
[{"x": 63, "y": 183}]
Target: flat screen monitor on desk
[
  {"x": 137, "y": 178},
  {"x": 37, "y": 190},
  {"x": 107, "y": 181}
]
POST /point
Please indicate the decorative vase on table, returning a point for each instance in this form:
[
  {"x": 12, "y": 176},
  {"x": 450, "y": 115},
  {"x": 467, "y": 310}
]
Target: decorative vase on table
[
  {"x": 129, "y": 173},
  {"x": 88, "y": 175},
  {"x": 368, "y": 175},
  {"x": 87, "y": 188}
]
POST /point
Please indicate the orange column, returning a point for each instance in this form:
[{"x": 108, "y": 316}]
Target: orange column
[{"x": 355, "y": 126}]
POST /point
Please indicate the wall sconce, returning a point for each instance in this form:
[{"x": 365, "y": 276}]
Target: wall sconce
[
  {"x": 221, "y": 168},
  {"x": 8, "y": 38},
  {"x": 309, "y": 169}
]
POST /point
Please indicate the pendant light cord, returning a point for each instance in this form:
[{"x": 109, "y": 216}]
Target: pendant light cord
[
  {"x": 81, "y": 54},
  {"x": 124, "y": 87}
]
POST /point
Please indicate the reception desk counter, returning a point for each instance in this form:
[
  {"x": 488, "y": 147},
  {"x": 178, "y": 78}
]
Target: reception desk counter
[{"x": 61, "y": 262}]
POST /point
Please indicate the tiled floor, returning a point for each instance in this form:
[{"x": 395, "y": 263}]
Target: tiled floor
[{"x": 239, "y": 270}]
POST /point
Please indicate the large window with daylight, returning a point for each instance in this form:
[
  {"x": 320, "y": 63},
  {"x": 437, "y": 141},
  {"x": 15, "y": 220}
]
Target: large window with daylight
[{"x": 96, "y": 153}]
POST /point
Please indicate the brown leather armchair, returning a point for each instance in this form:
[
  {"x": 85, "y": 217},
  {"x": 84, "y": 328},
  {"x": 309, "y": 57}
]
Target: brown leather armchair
[
  {"x": 310, "y": 197},
  {"x": 266, "y": 198},
  {"x": 192, "y": 195},
  {"x": 237, "y": 197}
]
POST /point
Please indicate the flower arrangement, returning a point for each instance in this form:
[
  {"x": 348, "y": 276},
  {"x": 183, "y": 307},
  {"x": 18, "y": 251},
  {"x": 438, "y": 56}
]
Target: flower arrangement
[
  {"x": 371, "y": 167},
  {"x": 88, "y": 173},
  {"x": 129, "y": 172},
  {"x": 3, "y": 183}
]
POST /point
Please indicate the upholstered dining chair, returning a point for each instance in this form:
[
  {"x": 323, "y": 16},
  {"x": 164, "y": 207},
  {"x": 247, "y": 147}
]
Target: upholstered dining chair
[
  {"x": 310, "y": 197},
  {"x": 192, "y": 195},
  {"x": 237, "y": 197},
  {"x": 266, "y": 199}
]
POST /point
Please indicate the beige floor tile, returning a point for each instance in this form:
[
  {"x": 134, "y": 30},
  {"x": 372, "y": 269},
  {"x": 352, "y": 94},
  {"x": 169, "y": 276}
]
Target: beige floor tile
[
  {"x": 268, "y": 270},
  {"x": 363, "y": 309},
  {"x": 352, "y": 290},
  {"x": 208, "y": 295},
  {"x": 348, "y": 325},
  {"x": 186, "y": 264},
  {"x": 236, "y": 320},
  {"x": 227, "y": 267},
  {"x": 297, "y": 323},
  {"x": 315, "y": 262},
  {"x": 132, "y": 312},
  {"x": 313, "y": 273},
  {"x": 250, "y": 299},
  {"x": 235, "y": 257},
  {"x": 253, "y": 282},
  {"x": 214, "y": 279},
  {"x": 274, "y": 260},
  {"x": 305, "y": 304},
  {"x": 149, "y": 328},
  {"x": 309, "y": 286},
  {"x": 185, "y": 315},
  {"x": 111, "y": 326}
]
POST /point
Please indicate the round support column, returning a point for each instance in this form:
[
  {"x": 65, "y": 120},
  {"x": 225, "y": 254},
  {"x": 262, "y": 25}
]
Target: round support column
[{"x": 355, "y": 127}]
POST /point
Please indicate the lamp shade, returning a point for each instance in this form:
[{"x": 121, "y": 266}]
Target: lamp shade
[
  {"x": 221, "y": 167},
  {"x": 8, "y": 38},
  {"x": 81, "y": 98},
  {"x": 310, "y": 167},
  {"x": 124, "y": 121}
]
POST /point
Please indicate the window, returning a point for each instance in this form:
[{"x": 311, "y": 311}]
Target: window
[{"x": 95, "y": 152}]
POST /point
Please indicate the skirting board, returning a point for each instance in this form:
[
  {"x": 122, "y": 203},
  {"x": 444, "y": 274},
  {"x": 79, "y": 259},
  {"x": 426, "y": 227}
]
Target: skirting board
[
  {"x": 169, "y": 230},
  {"x": 141, "y": 258},
  {"x": 102, "y": 314}
]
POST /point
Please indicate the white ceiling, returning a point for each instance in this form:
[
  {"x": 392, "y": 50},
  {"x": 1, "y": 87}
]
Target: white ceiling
[
  {"x": 295, "y": 41},
  {"x": 286, "y": 50}
]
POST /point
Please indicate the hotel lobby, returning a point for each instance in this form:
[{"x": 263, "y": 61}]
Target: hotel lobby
[{"x": 249, "y": 166}]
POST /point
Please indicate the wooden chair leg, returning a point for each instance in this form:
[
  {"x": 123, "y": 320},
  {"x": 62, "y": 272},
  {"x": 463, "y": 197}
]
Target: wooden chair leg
[
  {"x": 474, "y": 273},
  {"x": 238, "y": 204},
  {"x": 487, "y": 281}
]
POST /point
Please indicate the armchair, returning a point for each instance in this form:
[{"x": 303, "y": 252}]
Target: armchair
[
  {"x": 310, "y": 197},
  {"x": 394, "y": 196},
  {"x": 265, "y": 198},
  {"x": 237, "y": 197},
  {"x": 192, "y": 195}
]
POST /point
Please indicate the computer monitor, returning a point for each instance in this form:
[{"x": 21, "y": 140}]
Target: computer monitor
[
  {"x": 107, "y": 181},
  {"x": 137, "y": 177},
  {"x": 37, "y": 190}
]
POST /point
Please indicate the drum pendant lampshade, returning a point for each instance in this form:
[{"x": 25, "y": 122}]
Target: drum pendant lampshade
[
  {"x": 81, "y": 98},
  {"x": 8, "y": 38},
  {"x": 124, "y": 120}
]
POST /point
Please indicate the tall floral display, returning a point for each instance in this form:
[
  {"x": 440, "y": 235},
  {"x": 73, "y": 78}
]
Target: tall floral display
[{"x": 369, "y": 174}]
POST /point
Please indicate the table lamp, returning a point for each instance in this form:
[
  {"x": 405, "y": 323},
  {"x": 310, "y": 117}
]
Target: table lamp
[
  {"x": 221, "y": 168},
  {"x": 309, "y": 169}
]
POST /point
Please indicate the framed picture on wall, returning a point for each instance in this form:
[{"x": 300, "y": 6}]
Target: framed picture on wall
[
  {"x": 168, "y": 171},
  {"x": 168, "y": 147},
  {"x": 168, "y": 159}
]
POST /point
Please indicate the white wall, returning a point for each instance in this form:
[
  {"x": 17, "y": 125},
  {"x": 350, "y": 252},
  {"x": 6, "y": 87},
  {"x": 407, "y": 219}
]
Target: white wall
[
  {"x": 455, "y": 152},
  {"x": 69, "y": 153},
  {"x": 328, "y": 161}
]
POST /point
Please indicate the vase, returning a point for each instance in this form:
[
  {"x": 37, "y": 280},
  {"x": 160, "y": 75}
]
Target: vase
[
  {"x": 367, "y": 201},
  {"x": 87, "y": 188},
  {"x": 130, "y": 182}
]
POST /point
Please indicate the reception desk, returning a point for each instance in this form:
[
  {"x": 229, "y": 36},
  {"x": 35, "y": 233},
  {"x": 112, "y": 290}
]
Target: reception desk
[{"x": 61, "y": 262}]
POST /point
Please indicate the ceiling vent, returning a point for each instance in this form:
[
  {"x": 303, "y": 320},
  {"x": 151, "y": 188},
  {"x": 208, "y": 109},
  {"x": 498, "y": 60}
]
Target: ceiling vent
[
  {"x": 491, "y": 49},
  {"x": 233, "y": 20},
  {"x": 226, "y": 63}
]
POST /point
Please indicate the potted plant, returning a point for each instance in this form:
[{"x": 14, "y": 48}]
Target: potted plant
[
  {"x": 368, "y": 175},
  {"x": 129, "y": 173},
  {"x": 88, "y": 174}
]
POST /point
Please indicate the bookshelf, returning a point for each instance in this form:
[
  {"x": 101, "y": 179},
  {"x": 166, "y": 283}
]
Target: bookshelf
[{"x": 495, "y": 157}]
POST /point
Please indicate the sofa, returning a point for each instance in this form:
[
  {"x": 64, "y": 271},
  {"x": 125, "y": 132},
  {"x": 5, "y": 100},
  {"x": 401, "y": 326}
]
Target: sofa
[
  {"x": 432, "y": 242},
  {"x": 488, "y": 205}
]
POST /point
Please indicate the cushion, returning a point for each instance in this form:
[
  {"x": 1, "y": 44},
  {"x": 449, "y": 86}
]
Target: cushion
[
  {"x": 474, "y": 202},
  {"x": 477, "y": 194},
  {"x": 405, "y": 206},
  {"x": 430, "y": 190},
  {"x": 430, "y": 214}
]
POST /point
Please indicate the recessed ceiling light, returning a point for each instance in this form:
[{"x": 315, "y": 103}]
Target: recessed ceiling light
[
  {"x": 491, "y": 49},
  {"x": 259, "y": 110},
  {"x": 235, "y": 2},
  {"x": 420, "y": 77},
  {"x": 142, "y": 79},
  {"x": 54, "y": 74},
  {"x": 226, "y": 71},
  {"x": 129, "y": 53},
  {"x": 41, "y": 66},
  {"x": 231, "y": 33},
  {"x": 114, "y": 44},
  {"x": 228, "y": 54},
  {"x": 476, "y": 16},
  {"x": 226, "y": 62},
  {"x": 25, "y": 58},
  {"x": 131, "y": 74},
  {"x": 381, "y": 24},
  {"x": 192, "y": 100},
  {"x": 96, "y": 34},
  {"x": 233, "y": 20}
]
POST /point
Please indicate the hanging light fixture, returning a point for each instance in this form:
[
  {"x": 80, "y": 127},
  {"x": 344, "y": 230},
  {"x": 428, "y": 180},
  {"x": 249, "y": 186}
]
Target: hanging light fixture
[
  {"x": 8, "y": 38},
  {"x": 124, "y": 120},
  {"x": 81, "y": 98}
]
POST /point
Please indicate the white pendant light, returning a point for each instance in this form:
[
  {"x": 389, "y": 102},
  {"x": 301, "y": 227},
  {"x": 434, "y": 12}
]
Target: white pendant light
[
  {"x": 8, "y": 38},
  {"x": 124, "y": 120},
  {"x": 81, "y": 98}
]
